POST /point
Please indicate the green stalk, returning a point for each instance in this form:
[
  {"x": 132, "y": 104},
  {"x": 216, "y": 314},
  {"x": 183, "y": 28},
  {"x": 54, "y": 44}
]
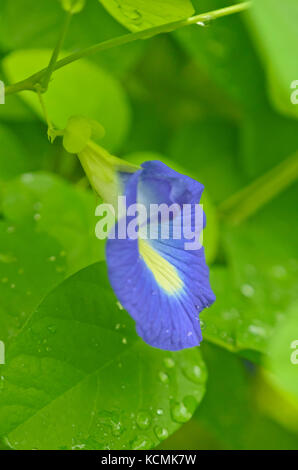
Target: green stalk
[
  {"x": 249, "y": 200},
  {"x": 30, "y": 83},
  {"x": 51, "y": 67}
]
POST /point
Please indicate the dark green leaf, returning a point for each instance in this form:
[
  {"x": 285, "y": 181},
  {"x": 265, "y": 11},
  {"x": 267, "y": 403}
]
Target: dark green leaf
[{"x": 79, "y": 370}]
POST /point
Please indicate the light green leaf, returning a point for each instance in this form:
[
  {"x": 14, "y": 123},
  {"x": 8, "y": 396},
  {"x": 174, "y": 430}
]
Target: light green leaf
[
  {"x": 79, "y": 370},
  {"x": 274, "y": 26},
  {"x": 60, "y": 210},
  {"x": 81, "y": 88},
  {"x": 141, "y": 14}
]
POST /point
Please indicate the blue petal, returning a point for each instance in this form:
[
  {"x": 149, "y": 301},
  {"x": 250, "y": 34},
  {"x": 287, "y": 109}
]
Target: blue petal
[{"x": 163, "y": 286}]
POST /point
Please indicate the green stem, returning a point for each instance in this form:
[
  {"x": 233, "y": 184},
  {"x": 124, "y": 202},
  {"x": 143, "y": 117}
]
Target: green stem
[
  {"x": 51, "y": 67},
  {"x": 249, "y": 200},
  {"x": 29, "y": 83},
  {"x": 51, "y": 131}
]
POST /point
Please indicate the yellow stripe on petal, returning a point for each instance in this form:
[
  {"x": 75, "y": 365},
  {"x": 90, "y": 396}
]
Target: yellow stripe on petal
[{"x": 165, "y": 274}]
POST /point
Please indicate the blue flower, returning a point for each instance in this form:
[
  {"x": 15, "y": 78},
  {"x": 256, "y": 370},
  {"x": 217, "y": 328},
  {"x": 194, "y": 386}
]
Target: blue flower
[
  {"x": 158, "y": 275},
  {"x": 161, "y": 284}
]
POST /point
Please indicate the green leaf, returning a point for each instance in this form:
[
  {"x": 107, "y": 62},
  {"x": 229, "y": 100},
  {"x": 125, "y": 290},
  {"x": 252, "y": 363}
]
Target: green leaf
[
  {"x": 79, "y": 370},
  {"x": 225, "y": 54},
  {"x": 15, "y": 109},
  {"x": 60, "y": 210},
  {"x": 208, "y": 148},
  {"x": 256, "y": 289},
  {"x": 27, "y": 273},
  {"x": 274, "y": 25},
  {"x": 283, "y": 354},
  {"x": 267, "y": 138},
  {"x": 12, "y": 155},
  {"x": 23, "y": 24},
  {"x": 137, "y": 14},
  {"x": 235, "y": 419},
  {"x": 81, "y": 88}
]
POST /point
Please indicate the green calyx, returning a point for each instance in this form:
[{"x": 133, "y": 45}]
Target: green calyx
[
  {"x": 73, "y": 6},
  {"x": 79, "y": 130},
  {"x": 102, "y": 169}
]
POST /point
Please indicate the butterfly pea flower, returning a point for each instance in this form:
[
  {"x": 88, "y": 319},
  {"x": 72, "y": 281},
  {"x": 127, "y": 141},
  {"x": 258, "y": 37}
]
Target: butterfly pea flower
[{"x": 161, "y": 283}]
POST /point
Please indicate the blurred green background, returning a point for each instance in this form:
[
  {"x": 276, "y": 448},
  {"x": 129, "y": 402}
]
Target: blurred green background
[{"x": 213, "y": 102}]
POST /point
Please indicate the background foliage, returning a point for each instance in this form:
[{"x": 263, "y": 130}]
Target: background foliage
[{"x": 212, "y": 102}]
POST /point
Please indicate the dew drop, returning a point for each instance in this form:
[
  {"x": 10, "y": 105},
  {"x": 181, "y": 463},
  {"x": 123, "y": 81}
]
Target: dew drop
[
  {"x": 159, "y": 412},
  {"x": 257, "y": 330},
  {"x": 124, "y": 340},
  {"x": 141, "y": 443},
  {"x": 279, "y": 272},
  {"x": 143, "y": 420},
  {"x": 206, "y": 21},
  {"x": 161, "y": 433},
  {"x": 163, "y": 377},
  {"x": 169, "y": 362},
  {"x": 27, "y": 178},
  {"x": 180, "y": 413},
  {"x": 247, "y": 290},
  {"x": 194, "y": 373},
  {"x": 78, "y": 447},
  {"x": 117, "y": 429}
]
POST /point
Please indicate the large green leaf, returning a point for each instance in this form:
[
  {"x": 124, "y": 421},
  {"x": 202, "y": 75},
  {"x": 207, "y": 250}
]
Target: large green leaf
[
  {"x": 141, "y": 14},
  {"x": 59, "y": 209},
  {"x": 274, "y": 26},
  {"x": 81, "y": 88},
  {"x": 48, "y": 233},
  {"x": 79, "y": 370}
]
